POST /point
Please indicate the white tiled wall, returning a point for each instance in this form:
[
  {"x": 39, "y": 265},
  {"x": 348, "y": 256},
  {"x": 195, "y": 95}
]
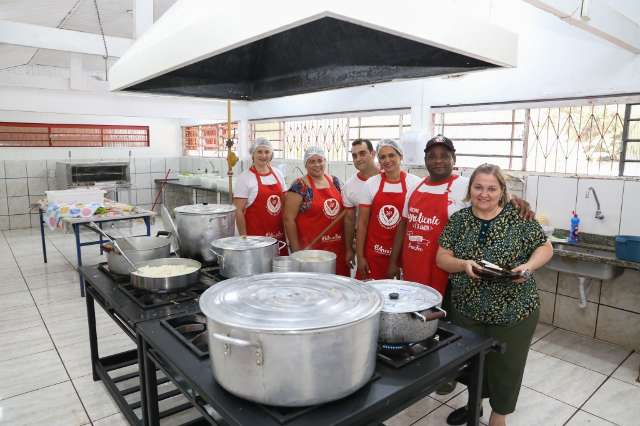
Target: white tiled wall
[
  {"x": 25, "y": 182},
  {"x": 629, "y": 223},
  {"x": 556, "y": 199},
  {"x": 609, "y": 194},
  {"x": 556, "y": 196}
]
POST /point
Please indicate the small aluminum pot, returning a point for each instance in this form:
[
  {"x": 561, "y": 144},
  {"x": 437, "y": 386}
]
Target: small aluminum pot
[
  {"x": 247, "y": 255},
  {"x": 410, "y": 312},
  {"x": 321, "y": 261},
  {"x": 284, "y": 264},
  {"x": 138, "y": 249}
]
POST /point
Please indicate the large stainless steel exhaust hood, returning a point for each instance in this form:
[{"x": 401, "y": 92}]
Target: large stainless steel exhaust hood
[{"x": 263, "y": 49}]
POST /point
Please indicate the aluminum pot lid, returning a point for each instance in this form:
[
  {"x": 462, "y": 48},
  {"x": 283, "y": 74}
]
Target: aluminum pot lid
[
  {"x": 313, "y": 256},
  {"x": 289, "y": 301},
  {"x": 203, "y": 209},
  {"x": 406, "y": 296},
  {"x": 243, "y": 243}
]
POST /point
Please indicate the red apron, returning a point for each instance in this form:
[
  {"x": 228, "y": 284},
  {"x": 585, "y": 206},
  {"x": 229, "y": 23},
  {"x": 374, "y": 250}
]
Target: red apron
[
  {"x": 384, "y": 217},
  {"x": 428, "y": 215},
  {"x": 264, "y": 215},
  {"x": 325, "y": 206}
]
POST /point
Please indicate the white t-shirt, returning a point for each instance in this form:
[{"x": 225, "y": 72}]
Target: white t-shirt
[
  {"x": 457, "y": 194},
  {"x": 372, "y": 185},
  {"x": 247, "y": 184},
  {"x": 353, "y": 190}
]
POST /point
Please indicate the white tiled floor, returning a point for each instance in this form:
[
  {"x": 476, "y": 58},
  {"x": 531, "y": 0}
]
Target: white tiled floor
[{"x": 45, "y": 374}]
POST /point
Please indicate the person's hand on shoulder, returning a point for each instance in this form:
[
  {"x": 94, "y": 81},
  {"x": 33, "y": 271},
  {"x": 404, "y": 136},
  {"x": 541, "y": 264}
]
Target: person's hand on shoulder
[{"x": 524, "y": 207}]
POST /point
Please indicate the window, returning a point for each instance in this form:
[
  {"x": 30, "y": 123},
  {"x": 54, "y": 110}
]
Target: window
[
  {"x": 208, "y": 140},
  {"x": 291, "y": 136},
  {"x": 579, "y": 139},
  {"x": 631, "y": 142},
  {"x": 72, "y": 135}
]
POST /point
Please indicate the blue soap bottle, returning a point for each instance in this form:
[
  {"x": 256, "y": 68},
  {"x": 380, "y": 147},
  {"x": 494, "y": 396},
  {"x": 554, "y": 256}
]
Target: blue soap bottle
[{"x": 574, "y": 228}]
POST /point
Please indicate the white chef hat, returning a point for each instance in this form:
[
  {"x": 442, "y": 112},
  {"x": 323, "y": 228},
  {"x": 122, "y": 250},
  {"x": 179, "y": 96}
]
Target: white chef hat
[
  {"x": 311, "y": 151},
  {"x": 260, "y": 142},
  {"x": 393, "y": 144}
]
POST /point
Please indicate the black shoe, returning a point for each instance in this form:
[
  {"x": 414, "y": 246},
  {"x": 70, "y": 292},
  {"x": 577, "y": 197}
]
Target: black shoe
[{"x": 459, "y": 416}]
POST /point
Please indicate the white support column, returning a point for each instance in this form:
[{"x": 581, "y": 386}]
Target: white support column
[
  {"x": 142, "y": 16},
  {"x": 76, "y": 75}
]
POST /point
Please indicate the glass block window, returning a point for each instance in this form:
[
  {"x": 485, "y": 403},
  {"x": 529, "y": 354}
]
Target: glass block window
[
  {"x": 291, "y": 136},
  {"x": 208, "y": 140}
]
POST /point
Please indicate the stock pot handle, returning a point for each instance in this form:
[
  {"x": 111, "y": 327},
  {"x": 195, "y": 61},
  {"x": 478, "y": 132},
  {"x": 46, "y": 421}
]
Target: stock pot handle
[
  {"x": 440, "y": 313},
  {"x": 281, "y": 245},
  {"x": 219, "y": 257},
  {"x": 233, "y": 341}
]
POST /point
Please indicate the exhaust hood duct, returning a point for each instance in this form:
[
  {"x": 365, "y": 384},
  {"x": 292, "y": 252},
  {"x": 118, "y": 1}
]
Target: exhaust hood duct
[{"x": 318, "y": 51}]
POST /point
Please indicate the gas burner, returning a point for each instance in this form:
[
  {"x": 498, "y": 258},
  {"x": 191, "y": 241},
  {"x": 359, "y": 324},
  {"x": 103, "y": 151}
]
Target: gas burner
[
  {"x": 191, "y": 330},
  {"x": 211, "y": 273},
  {"x": 148, "y": 300},
  {"x": 398, "y": 355}
]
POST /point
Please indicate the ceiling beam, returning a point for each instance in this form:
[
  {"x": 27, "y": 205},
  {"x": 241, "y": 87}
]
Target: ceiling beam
[
  {"x": 142, "y": 16},
  {"x": 29, "y": 35},
  {"x": 596, "y": 17}
]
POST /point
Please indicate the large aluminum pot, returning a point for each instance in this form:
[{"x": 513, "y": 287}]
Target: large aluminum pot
[
  {"x": 315, "y": 261},
  {"x": 410, "y": 312},
  {"x": 200, "y": 224},
  {"x": 246, "y": 255},
  {"x": 166, "y": 283},
  {"x": 292, "y": 339},
  {"x": 137, "y": 249}
]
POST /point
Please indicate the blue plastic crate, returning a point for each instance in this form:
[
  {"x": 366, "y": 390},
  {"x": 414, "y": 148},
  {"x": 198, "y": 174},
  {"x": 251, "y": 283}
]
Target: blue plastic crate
[{"x": 628, "y": 247}]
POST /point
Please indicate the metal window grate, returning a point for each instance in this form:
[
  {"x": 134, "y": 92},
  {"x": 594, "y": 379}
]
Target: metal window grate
[
  {"x": 581, "y": 139},
  {"x": 72, "y": 135},
  {"x": 291, "y": 136}
]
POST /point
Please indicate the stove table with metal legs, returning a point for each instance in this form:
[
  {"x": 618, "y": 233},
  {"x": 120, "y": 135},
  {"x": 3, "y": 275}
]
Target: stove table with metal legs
[{"x": 390, "y": 390}]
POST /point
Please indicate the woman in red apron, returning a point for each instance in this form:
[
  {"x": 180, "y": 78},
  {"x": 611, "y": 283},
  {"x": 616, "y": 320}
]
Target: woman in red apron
[
  {"x": 428, "y": 215},
  {"x": 380, "y": 218},
  {"x": 313, "y": 203},
  {"x": 258, "y": 197}
]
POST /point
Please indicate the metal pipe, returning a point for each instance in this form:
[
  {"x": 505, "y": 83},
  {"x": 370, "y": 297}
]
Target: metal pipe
[{"x": 599, "y": 214}]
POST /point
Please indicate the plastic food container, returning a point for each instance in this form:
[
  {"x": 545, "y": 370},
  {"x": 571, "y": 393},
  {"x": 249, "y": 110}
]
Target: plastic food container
[{"x": 628, "y": 247}]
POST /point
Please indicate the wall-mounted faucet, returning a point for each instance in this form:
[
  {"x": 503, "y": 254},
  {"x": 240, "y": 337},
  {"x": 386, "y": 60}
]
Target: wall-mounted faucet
[{"x": 599, "y": 214}]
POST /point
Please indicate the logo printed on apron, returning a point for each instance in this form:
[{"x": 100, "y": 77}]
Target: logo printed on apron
[
  {"x": 331, "y": 207},
  {"x": 274, "y": 204},
  {"x": 388, "y": 216}
]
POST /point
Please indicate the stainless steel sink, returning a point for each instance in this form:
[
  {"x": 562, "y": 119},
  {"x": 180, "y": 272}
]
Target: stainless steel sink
[{"x": 564, "y": 261}]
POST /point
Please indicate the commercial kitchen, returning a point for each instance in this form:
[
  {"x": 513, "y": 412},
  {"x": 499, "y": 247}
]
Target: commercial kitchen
[{"x": 289, "y": 213}]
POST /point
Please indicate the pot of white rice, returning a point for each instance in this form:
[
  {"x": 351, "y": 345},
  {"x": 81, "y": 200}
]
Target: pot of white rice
[{"x": 166, "y": 275}]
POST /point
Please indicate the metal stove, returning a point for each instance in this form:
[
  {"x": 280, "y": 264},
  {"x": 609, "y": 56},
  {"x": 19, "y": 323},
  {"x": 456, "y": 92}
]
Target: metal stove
[
  {"x": 404, "y": 374},
  {"x": 129, "y": 307}
]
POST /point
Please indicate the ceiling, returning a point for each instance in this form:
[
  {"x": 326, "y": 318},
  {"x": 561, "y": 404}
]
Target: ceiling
[{"x": 75, "y": 15}]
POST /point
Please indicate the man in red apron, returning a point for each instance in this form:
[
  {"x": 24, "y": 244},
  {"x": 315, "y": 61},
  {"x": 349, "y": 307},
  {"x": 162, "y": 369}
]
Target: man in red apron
[
  {"x": 313, "y": 203},
  {"x": 426, "y": 212}
]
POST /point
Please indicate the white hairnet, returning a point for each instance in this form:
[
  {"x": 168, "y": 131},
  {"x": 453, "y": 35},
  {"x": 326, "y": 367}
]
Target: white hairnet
[
  {"x": 311, "y": 151},
  {"x": 393, "y": 144},
  {"x": 260, "y": 142}
]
